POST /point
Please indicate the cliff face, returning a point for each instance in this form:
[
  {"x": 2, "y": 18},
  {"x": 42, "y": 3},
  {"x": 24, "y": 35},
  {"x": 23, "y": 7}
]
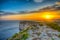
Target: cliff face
[{"x": 25, "y": 24}]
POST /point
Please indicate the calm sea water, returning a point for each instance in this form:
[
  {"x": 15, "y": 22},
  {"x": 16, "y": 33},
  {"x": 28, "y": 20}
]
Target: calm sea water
[{"x": 8, "y": 29}]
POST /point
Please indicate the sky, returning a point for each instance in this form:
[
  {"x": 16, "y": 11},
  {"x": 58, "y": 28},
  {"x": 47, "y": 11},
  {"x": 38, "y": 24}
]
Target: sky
[{"x": 24, "y": 5}]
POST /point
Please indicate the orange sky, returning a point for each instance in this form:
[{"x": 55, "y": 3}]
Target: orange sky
[{"x": 31, "y": 16}]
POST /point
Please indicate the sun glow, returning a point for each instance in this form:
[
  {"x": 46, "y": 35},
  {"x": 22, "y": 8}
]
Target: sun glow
[{"x": 47, "y": 16}]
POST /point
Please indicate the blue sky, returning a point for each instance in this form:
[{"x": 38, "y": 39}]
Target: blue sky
[{"x": 24, "y": 5}]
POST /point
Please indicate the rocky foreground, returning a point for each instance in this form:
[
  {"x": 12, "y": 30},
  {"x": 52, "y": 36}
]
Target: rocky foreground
[{"x": 30, "y": 30}]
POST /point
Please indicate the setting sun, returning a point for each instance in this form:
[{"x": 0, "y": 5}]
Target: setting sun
[{"x": 47, "y": 16}]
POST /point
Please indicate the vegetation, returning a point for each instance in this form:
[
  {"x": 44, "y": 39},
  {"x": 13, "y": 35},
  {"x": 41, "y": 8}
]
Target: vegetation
[
  {"x": 52, "y": 39},
  {"x": 23, "y": 35},
  {"x": 59, "y": 35},
  {"x": 54, "y": 26}
]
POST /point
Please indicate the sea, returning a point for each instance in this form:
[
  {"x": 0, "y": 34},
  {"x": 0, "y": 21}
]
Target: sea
[{"x": 8, "y": 29}]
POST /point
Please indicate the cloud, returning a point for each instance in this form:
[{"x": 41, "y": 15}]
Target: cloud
[{"x": 38, "y": 1}]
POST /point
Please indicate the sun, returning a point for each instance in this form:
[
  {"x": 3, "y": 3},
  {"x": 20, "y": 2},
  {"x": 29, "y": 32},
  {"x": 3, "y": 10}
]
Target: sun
[{"x": 47, "y": 16}]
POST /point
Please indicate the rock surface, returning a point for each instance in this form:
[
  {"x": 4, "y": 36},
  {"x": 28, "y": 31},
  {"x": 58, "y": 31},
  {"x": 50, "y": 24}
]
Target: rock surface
[{"x": 39, "y": 31}]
